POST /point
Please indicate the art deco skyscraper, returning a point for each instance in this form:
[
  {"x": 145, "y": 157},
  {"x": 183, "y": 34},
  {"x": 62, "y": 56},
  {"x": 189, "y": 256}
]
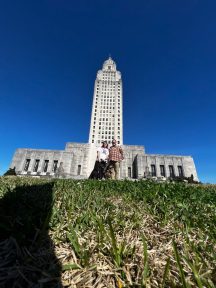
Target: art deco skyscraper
[{"x": 106, "y": 117}]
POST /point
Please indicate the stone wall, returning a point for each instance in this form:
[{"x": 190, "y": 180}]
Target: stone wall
[
  {"x": 139, "y": 163},
  {"x": 78, "y": 159},
  {"x": 186, "y": 162}
]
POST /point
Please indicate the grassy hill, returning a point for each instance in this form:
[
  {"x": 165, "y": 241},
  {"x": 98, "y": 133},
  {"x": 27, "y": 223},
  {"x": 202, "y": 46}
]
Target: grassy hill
[{"x": 65, "y": 233}]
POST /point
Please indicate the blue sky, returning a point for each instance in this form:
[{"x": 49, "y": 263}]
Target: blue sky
[{"x": 51, "y": 50}]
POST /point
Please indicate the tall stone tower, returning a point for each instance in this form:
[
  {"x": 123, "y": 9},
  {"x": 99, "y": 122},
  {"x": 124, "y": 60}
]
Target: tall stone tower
[{"x": 106, "y": 118}]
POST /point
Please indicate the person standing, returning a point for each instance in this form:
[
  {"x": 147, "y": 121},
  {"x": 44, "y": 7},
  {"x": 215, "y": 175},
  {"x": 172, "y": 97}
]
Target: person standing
[
  {"x": 102, "y": 158},
  {"x": 101, "y": 162},
  {"x": 115, "y": 157}
]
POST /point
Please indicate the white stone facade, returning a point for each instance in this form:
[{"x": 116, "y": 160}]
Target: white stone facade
[
  {"x": 77, "y": 159},
  {"x": 107, "y": 116}
]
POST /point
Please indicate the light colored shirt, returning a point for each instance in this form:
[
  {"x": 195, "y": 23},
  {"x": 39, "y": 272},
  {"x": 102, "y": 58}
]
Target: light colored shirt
[{"x": 103, "y": 153}]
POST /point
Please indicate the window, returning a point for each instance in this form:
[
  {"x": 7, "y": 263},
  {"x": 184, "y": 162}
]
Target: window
[
  {"x": 129, "y": 172},
  {"x": 162, "y": 170},
  {"x": 171, "y": 170},
  {"x": 46, "y": 163},
  {"x": 180, "y": 171},
  {"x": 36, "y": 164},
  {"x": 153, "y": 170},
  {"x": 79, "y": 170},
  {"x": 27, "y": 162},
  {"x": 55, "y": 165}
]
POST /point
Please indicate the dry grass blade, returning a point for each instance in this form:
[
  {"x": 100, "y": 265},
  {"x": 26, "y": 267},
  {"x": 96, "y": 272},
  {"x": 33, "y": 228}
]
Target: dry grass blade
[{"x": 108, "y": 234}]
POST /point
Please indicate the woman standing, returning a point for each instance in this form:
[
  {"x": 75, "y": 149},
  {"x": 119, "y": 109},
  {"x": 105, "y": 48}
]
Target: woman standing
[
  {"x": 101, "y": 162},
  {"x": 102, "y": 158}
]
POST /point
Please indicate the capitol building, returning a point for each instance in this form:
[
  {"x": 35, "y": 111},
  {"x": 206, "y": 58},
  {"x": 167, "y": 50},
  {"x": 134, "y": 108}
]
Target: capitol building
[{"x": 77, "y": 159}]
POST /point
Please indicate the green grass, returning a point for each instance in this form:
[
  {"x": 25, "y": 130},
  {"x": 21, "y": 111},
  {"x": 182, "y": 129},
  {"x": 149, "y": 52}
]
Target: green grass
[{"x": 115, "y": 233}]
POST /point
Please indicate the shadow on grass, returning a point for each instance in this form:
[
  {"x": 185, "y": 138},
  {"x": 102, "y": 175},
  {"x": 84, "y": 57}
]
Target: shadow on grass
[{"x": 27, "y": 257}]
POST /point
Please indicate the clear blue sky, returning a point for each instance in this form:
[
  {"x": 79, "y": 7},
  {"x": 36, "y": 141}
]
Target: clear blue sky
[{"x": 51, "y": 50}]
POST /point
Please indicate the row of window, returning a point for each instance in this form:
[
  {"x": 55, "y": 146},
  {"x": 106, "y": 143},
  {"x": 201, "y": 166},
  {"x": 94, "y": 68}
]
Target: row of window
[
  {"x": 45, "y": 166},
  {"x": 109, "y": 82},
  {"x": 104, "y": 106},
  {"x": 102, "y": 132},
  {"x": 109, "y": 113},
  {"x": 102, "y": 127},
  {"x": 36, "y": 165},
  {"x": 99, "y": 81},
  {"x": 108, "y": 102},
  {"x": 107, "y": 123},
  {"x": 106, "y": 137},
  {"x": 109, "y": 88},
  {"x": 105, "y": 132},
  {"x": 163, "y": 171},
  {"x": 100, "y": 141},
  {"x": 110, "y": 105},
  {"x": 105, "y": 85},
  {"x": 106, "y": 126},
  {"x": 108, "y": 108},
  {"x": 110, "y": 122},
  {"x": 106, "y": 114},
  {"x": 108, "y": 77},
  {"x": 107, "y": 96}
]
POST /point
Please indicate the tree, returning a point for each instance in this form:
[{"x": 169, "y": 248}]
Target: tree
[{"x": 10, "y": 172}]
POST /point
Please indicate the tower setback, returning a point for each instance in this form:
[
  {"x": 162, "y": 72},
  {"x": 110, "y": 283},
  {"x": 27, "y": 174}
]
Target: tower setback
[{"x": 106, "y": 116}]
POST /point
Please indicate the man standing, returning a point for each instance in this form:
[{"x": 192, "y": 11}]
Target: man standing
[{"x": 115, "y": 157}]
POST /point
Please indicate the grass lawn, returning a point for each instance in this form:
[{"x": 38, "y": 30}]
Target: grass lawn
[{"x": 66, "y": 233}]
